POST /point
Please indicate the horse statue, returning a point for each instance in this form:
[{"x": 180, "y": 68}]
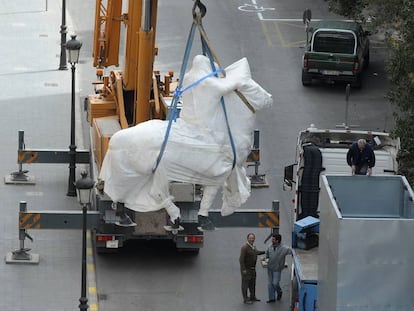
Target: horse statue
[{"x": 198, "y": 149}]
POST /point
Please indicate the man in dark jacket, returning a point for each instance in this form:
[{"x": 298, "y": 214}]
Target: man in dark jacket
[
  {"x": 361, "y": 158},
  {"x": 248, "y": 258}
]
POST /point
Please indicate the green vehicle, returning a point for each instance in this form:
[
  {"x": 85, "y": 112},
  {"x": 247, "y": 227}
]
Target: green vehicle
[{"x": 338, "y": 51}]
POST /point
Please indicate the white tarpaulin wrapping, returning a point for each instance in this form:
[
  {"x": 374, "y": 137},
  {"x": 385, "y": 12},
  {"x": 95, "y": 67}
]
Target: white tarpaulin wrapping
[{"x": 198, "y": 149}]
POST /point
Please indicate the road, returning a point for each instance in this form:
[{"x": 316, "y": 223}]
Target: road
[{"x": 153, "y": 276}]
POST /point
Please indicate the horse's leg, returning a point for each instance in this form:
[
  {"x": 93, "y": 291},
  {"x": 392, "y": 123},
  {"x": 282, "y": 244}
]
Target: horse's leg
[
  {"x": 209, "y": 194},
  {"x": 172, "y": 210},
  {"x": 160, "y": 192}
]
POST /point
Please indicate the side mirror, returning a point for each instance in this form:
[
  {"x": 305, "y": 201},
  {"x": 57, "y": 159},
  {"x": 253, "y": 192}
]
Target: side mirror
[{"x": 288, "y": 177}]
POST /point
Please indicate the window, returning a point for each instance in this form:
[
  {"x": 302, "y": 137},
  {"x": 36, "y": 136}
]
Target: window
[{"x": 334, "y": 42}]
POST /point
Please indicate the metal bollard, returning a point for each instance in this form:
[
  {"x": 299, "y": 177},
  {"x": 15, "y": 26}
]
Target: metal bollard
[
  {"x": 274, "y": 230},
  {"x": 20, "y": 176},
  {"x": 22, "y": 255},
  {"x": 257, "y": 180}
]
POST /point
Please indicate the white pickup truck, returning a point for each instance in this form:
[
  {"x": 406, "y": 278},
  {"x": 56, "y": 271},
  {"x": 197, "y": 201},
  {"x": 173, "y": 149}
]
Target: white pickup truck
[
  {"x": 320, "y": 154},
  {"x": 323, "y": 151}
]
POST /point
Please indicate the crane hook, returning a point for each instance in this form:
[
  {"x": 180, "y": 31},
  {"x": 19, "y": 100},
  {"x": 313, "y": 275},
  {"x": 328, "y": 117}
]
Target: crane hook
[{"x": 202, "y": 10}]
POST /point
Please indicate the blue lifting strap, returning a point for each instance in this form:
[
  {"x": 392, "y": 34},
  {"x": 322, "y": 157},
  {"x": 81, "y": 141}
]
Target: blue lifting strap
[{"x": 178, "y": 91}]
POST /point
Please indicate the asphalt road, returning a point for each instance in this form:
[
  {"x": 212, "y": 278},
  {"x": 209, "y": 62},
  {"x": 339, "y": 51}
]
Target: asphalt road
[{"x": 153, "y": 276}]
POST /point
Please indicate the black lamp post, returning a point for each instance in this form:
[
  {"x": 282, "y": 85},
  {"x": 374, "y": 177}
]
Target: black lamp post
[
  {"x": 62, "y": 64},
  {"x": 84, "y": 187},
  {"x": 73, "y": 46}
]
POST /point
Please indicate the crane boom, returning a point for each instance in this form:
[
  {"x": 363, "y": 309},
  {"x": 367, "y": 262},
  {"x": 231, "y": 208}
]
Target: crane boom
[{"x": 132, "y": 87}]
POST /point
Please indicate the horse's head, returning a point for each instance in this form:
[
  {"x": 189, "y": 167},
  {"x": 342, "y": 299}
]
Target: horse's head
[
  {"x": 202, "y": 102},
  {"x": 256, "y": 96}
]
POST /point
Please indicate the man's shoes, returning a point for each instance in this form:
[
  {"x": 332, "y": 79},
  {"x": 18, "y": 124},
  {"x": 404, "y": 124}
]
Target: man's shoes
[
  {"x": 279, "y": 296},
  {"x": 247, "y": 302},
  {"x": 254, "y": 299},
  {"x": 270, "y": 301}
]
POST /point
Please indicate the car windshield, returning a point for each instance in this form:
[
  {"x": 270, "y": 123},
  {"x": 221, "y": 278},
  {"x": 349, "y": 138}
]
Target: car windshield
[{"x": 334, "y": 42}]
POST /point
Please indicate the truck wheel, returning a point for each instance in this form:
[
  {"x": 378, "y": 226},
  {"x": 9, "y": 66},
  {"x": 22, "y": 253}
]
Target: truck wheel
[
  {"x": 306, "y": 79},
  {"x": 104, "y": 250},
  {"x": 357, "y": 84},
  {"x": 192, "y": 251},
  {"x": 294, "y": 293},
  {"x": 366, "y": 60}
]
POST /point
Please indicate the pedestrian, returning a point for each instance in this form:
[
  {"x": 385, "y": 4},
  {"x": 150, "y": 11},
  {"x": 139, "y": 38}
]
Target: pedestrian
[
  {"x": 248, "y": 259},
  {"x": 275, "y": 256},
  {"x": 361, "y": 157}
]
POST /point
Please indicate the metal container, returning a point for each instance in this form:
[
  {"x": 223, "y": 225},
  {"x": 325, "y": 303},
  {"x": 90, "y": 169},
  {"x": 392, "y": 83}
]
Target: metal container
[{"x": 366, "y": 252}]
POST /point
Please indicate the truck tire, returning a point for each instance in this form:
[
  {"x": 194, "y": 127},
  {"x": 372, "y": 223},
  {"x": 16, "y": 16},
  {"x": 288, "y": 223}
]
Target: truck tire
[
  {"x": 306, "y": 79},
  {"x": 366, "y": 60},
  {"x": 190, "y": 251},
  {"x": 104, "y": 250},
  {"x": 294, "y": 293},
  {"x": 357, "y": 84}
]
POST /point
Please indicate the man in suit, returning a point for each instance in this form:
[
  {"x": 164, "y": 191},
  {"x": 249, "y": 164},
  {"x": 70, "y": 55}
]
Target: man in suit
[{"x": 248, "y": 259}]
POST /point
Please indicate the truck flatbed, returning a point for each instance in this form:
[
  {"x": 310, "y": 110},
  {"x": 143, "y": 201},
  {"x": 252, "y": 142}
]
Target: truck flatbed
[{"x": 306, "y": 264}]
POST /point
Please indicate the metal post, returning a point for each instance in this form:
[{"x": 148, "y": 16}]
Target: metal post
[
  {"x": 256, "y": 139},
  {"x": 276, "y": 209},
  {"x": 62, "y": 65},
  {"x": 274, "y": 230},
  {"x": 72, "y": 147},
  {"x": 347, "y": 92},
  {"x": 256, "y": 145},
  {"x": 83, "y": 306},
  {"x": 22, "y": 255}
]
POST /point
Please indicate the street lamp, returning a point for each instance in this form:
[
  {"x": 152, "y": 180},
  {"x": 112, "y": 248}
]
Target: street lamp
[
  {"x": 62, "y": 64},
  {"x": 73, "y": 46},
  {"x": 84, "y": 187}
]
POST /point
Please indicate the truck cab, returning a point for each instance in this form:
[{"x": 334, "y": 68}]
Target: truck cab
[{"x": 338, "y": 51}]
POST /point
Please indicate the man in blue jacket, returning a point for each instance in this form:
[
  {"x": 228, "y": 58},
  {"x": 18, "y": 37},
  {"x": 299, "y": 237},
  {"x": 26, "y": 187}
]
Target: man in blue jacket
[
  {"x": 361, "y": 158},
  {"x": 276, "y": 255}
]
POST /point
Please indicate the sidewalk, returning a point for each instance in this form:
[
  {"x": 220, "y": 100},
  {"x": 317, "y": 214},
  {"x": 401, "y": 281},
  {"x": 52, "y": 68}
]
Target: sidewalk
[{"x": 36, "y": 98}]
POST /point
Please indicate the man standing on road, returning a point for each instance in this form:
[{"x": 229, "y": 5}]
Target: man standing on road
[
  {"x": 361, "y": 158},
  {"x": 248, "y": 259},
  {"x": 276, "y": 255}
]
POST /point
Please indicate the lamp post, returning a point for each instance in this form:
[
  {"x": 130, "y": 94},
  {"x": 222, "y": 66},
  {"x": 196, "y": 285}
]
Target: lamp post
[
  {"x": 62, "y": 64},
  {"x": 73, "y": 46},
  {"x": 84, "y": 187}
]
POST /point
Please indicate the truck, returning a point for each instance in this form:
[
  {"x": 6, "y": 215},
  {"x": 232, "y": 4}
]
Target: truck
[
  {"x": 323, "y": 151},
  {"x": 130, "y": 97},
  {"x": 363, "y": 254},
  {"x": 122, "y": 100},
  {"x": 319, "y": 153},
  {"x": 338, "y": 51}
]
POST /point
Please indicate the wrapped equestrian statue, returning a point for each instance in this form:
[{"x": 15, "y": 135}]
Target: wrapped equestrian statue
[{"x": 198, "y": 149}]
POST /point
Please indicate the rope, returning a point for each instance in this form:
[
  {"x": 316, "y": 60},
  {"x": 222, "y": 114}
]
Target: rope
[
  {"x": 213, "y": 59},
  {"x": 209, "y": 52},
  {"x": 173, "y": 108}
]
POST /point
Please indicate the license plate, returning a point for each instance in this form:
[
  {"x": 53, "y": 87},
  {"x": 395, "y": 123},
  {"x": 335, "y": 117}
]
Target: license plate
[
  {"x": 112, "y": 244},
  {"x": 330, "y": 72}
]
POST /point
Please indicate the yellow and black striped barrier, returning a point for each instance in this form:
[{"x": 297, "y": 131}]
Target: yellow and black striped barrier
[
  {"x": 29, "y": 220},
  {"x": 57, "y": 219},
  {"x": 246, "y": 218}
]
